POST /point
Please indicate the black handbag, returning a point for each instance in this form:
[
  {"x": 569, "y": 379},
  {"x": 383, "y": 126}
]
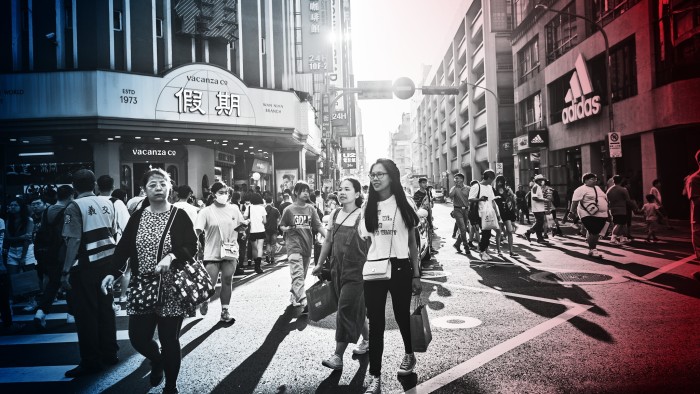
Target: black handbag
[
  {"x": 192, "y": 284},
  {"x": 474, "y": 208}
]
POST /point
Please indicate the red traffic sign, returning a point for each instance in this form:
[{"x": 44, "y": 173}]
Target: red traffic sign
[{"x": 404, "y": 88}]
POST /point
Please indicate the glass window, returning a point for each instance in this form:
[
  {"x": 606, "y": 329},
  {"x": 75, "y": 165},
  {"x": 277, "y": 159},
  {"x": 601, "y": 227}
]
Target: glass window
[
  {"x": 159, "y": 28},
  {"x": 530, "y": 113},
  {"x": 605, "y": 11},
  {"x": 521, "y": 8},
  {"x": 117, "y": 20},
  {"x": 561, "y": 34},
  {"x": 677, "y": 40},
  {"x": 528, "y": 61}
]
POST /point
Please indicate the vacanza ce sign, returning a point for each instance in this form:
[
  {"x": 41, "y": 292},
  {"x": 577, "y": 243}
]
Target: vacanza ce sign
[{"x": 580, "y": 95}]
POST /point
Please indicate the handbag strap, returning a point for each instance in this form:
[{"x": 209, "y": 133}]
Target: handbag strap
[
  {"x": 171, "y": 219},
  {"x": 218, "y": 224},
  {"x": 335, "y": 215}
]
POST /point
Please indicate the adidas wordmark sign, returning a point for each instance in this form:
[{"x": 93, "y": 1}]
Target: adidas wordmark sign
[{"x": 581, "y": 107}]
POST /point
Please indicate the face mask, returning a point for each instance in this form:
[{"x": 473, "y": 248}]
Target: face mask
[{"x": 222, "y": 198}]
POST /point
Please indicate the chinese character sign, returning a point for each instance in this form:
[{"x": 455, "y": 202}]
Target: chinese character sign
[
  {"x": 315, "y": 29},
  {"x": 350, "y": 160},
  {"x": 190, "y": 100}
]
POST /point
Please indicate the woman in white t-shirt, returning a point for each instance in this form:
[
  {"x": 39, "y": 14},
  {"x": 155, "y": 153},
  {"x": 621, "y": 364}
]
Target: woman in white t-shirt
[
  {"x": 590, "y": 203},
  {"x": 389, "y": 220},
  {"x": 258, "y": 217}
]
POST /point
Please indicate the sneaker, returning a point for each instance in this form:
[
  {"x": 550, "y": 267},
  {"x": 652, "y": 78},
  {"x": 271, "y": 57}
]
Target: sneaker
[
  {"x": 70, "y": 319},
  {"x": 594, "y": 253},
  {"x": 407, "y": 365},
  {"x": 122, "y": 299},
  {"x": 362, "y": 348},
  {"x": 457, "y": 248},
  {"x": 333, "y": 362},
  {"x": 116, "y": 307},
  {"x": 375, "y": 385},
  {"x": 31, "y": 305},
  {"x": 204, "y": 308},
  {"x": 226, "y": 316},
  {"x": 615, "y": 241},
  {"x": 40, "y": 319},
  {"x": 527, "y": 236},
  {"x": 485, "y": 256},
  {"x": 625, "y": 240}
]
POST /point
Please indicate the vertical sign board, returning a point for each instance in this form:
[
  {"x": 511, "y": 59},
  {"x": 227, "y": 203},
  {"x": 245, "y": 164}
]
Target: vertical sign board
[
  {"x": 316, "y": 50},
  {"x": 349, "y": 160},
  {"x": 340, "y": 116},
  {"x": 499, "y": 168},
  {"x": 614, "y": 144},
  {"x": 348, "y": 143},
  {"x": 326, "y": 115}
]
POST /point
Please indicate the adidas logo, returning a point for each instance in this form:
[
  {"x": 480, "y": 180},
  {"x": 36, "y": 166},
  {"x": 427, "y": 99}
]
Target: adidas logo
[
  {"x": 580, "y": 86},
  {"x": 537, "y": 140}
]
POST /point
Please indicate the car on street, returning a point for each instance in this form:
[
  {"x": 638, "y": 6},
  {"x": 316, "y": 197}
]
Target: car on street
[{"x": 439, "y": 195}]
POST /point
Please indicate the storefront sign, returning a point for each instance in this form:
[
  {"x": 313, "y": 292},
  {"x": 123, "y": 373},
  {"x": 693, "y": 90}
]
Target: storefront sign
[
  {"x": 225, "y": 158},
  {"x": 582, "y": 104},
  {"x": 350, "y": 159},
  {"x": 499, "y": 168},
  {"x": 615, "y": 144},
  {"x": 262, "y": 166},
  {"x": 315, "y": 29},
  {"x": 145, "y": 152},
  {"x": 538, "y": 138},
  {"x": 521, "y": 143}
]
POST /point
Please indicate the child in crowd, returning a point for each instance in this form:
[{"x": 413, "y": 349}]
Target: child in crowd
[{"x": 651, "y": 217}]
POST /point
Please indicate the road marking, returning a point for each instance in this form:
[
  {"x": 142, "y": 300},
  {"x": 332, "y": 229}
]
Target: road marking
[
  {"x": 53, "y": 373},
  {"x": 668, "y": 267},
  {"x": 56, "y": 316},
  {"x": 50, "y": 338},
  {"x": 461, "y": 322},
  {"x": 470, "y": 365}
]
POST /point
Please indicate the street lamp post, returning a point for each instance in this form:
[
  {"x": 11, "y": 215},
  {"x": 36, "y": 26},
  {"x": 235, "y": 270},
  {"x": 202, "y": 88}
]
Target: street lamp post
[{"x": 608, "y": 64}]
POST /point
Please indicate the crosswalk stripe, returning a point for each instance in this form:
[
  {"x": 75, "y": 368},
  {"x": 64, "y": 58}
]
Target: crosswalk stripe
[
  {"x": 50, "y": 338},
  {"x": 55, "y": 316},
  {"x": 53, "y": 373}
]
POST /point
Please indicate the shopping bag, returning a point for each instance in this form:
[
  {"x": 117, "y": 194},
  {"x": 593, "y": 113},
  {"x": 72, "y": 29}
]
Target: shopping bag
[
  {"x": 25, "y": 283},
  {"x": 420, "y": 328},
  {"x": 321, "y": 300},
  {"x": 193, "y": 284},
  {"x": 489, "y": 219}
]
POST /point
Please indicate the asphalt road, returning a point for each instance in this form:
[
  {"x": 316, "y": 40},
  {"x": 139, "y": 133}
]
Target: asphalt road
[{"x": 556, "y": 321}]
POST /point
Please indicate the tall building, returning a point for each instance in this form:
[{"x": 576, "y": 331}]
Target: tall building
[
  {"x": 400, "y": 150},
  {"x": 206, "y": 89},
  {"x": 472, "y": 131},
  {"x": 562, "y": 104}
]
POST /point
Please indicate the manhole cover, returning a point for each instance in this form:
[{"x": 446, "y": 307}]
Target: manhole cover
[
  {"x": 576, "y": 277},
  {"x": 455, "y": 322}
]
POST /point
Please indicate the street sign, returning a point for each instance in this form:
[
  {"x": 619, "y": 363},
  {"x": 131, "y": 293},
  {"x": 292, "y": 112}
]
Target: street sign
[
  {"x": 614, "y": 144},
  {"x": 404, "y": 88},
  {"x": 374, "y": 90},
  {"x": 499, "y": 168},
  {"x": 440, "y": 90},
  {"x": 349, "y": 160}
]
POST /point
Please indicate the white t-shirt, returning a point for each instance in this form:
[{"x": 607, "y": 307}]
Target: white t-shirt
[
  {"x": 215, "y": 221},
  {"x": 344, "y": 218},
  {"x": 478, "y": 191},
  {"x": 536, "y": 191},
  {"x": 189, "y": 209},
  {"x": 586, "y": 196},
  {"x": 256, "y": 213},
  {"x": 384, "y": 239}
]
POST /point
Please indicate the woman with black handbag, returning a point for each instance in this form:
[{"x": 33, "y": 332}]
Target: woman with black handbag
[
  {"x": 389, "y": 220},
  {"x": 348, "y": 252},
  {"x": 158, "y": 239}
]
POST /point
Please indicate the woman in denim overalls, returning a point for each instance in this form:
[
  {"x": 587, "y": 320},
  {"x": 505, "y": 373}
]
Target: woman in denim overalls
[{"x": 348, "y": 253}]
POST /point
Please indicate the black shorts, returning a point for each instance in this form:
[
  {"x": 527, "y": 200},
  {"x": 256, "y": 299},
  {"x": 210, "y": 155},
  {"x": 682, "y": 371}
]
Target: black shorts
[
  {"x": 593, "y": 224},
  {"x": 620, "y": 219},
  {"x": 271, "y": 237},
  {"x": 256, "y": 236}
]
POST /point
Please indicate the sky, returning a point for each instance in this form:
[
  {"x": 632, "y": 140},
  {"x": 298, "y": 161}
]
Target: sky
[{"x": 392, "y": 39}]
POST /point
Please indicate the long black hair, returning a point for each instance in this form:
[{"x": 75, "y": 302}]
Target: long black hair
[{"x": 407, "y": 212}]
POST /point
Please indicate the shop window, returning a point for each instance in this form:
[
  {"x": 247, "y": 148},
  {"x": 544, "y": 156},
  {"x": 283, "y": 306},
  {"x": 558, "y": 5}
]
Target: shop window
[
  {"x": 125, "y": 183},
  {"x": 521, "y": 9},
  {"x": 117, "y": 20},
  {"x": 561, "y": 34},
  {"x": 172, "y": 171},
  {"x": 605, "y": 11},
  {"x": 528, "y": 61},
  {"x": 530, "y": 113},
  {"x": 677, "y": 40}
]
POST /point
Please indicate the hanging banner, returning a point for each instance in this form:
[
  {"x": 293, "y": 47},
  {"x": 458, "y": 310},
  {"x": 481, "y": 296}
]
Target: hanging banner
[
  {"x": 315, "y": 29},
  {"x": 350, "y": 160}
]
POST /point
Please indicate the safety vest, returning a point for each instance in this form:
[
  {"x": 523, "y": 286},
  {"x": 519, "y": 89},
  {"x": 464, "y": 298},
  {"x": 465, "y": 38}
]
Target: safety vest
[{"x": 97, "y": 241}]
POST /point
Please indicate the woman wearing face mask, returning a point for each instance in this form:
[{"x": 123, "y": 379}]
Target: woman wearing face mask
[
  {"x": 348, "y": 254},
  {"x": 390, "y": 220},
  {"x": 505, "y": 199},
  {"x": 218, "y": 223}
]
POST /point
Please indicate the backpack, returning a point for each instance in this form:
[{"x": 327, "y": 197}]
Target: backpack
[
  {"x": 555, "y": 197},
  {"x": 49, "y": 244}
]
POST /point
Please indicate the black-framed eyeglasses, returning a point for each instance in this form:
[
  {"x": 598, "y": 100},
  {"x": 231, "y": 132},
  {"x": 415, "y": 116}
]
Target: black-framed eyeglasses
[{"x": 378, "y": 175}]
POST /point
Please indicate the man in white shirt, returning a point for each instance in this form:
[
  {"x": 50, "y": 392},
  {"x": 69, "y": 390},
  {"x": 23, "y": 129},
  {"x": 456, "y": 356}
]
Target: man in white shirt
[
  {"x": 105, "y": 187},
  {"x": 184, "y": 192},
  {"x": 319, "y": 201},
  {"x": 538, "y": 209},
  {"x": 483, "y": 194}
]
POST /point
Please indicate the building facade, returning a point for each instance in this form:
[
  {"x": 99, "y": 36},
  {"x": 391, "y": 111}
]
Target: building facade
[
  {"x": 400, "y": 150},
  {"x": 561, "y": 100},
  {"x": 472, "y": 131},
  {"x": 204, "y": 89}
]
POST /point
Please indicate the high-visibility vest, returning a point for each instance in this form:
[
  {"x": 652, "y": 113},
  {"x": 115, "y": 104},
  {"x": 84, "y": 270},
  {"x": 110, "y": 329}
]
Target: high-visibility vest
[{"x": 97, "y": 241}]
